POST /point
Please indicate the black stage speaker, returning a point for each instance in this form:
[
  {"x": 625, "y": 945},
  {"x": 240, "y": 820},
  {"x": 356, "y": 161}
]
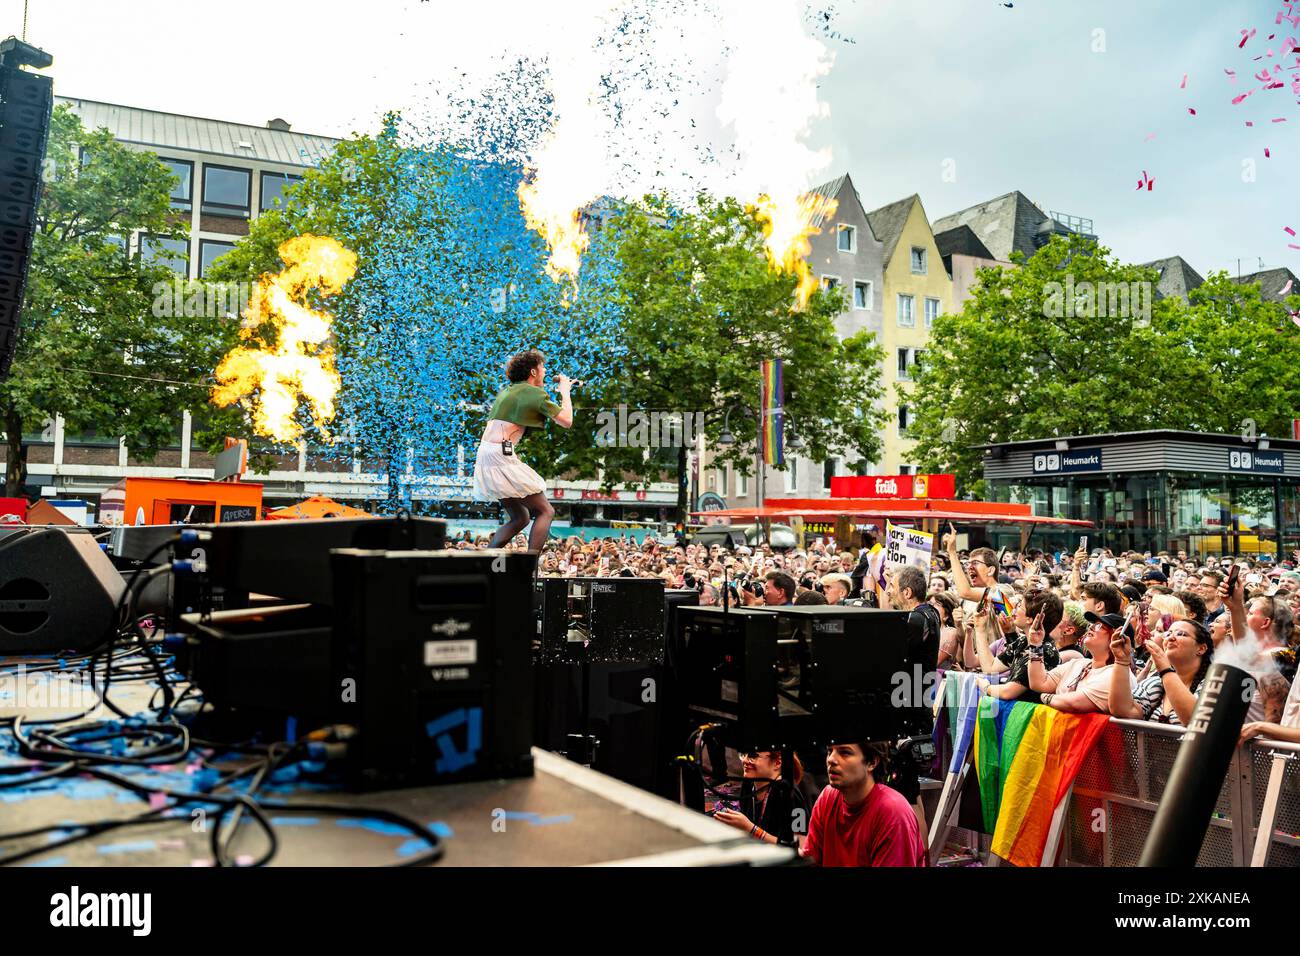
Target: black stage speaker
[
  {"x": 606, "y": 620},
  {"x": 58, "y": 591},
  {"x": 26, "y": 100},
  {"x": 291, "y": 559},
  {"x": 437, "y": 647},
  {"x": 794, "y": 676}
]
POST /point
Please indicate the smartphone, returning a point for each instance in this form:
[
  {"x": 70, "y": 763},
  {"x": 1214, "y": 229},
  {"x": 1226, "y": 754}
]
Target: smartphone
[
  {"x": 1232, "y": 578},
  {"x": 1083, "y": 543}
]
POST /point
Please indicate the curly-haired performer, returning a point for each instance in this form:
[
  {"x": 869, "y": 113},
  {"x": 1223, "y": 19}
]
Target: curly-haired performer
[{"x": 499, "y": 475}]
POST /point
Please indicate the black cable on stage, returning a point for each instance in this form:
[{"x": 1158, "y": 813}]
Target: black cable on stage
[
  {"x": 58, "y": 749},
  {"x": 255, "y": 808}
]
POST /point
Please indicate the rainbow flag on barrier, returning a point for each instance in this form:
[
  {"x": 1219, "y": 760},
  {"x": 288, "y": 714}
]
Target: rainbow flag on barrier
[
  {"x": 1026, "y": 756},
  {"x": 959, "y": 698}
]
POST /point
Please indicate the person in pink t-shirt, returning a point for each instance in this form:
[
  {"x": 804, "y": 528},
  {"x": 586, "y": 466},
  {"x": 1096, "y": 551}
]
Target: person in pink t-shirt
[{"x": 858, "y": 821}]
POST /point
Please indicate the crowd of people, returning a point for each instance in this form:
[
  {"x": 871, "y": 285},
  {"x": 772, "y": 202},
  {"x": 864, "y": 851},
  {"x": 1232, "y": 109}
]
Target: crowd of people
[{"x": 1090, "y": 631}]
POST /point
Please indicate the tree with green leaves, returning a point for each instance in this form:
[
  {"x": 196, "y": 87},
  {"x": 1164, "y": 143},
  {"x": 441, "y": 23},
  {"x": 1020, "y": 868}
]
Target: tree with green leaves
[
  {"x": 1074, "y": 342},
  {"x": 101, "y": 341},
  {"x": 702, "y": 310}
]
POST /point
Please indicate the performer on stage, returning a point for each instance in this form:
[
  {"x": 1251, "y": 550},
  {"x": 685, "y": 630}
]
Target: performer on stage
[{"x": 499, "y": 475}]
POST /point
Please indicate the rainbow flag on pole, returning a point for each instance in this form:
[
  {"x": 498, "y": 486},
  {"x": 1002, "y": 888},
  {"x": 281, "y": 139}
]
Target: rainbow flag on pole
[
  {"x": 1026, "y": 757},
  {"x": 772, "y": 414}
]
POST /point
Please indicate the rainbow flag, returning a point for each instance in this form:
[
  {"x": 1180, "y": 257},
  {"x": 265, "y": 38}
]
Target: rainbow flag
[
  {"x": 1026, "y": 756},
  {"x": 771, "y": 412}
]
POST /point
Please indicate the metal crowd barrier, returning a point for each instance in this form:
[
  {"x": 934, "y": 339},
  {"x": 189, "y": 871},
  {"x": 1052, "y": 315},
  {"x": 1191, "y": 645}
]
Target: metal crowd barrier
[
  {"x": 1113, "y": 802},
  {"x": 1109, "y": 810}
]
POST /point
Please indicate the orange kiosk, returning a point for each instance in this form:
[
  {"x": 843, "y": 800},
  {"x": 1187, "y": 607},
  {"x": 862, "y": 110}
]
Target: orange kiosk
[{"x": 180, "y": 501}]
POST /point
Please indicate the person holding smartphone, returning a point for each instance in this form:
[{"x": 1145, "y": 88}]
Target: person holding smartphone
[{"x": 499, "y": 475}]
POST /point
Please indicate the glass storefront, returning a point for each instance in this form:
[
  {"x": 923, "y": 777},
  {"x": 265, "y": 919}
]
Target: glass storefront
[{"x": 1195, "y": 512}]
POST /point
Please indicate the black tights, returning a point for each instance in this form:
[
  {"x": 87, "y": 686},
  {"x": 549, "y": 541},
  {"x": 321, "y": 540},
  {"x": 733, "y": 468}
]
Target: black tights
[{"x": 519, "y": 511}]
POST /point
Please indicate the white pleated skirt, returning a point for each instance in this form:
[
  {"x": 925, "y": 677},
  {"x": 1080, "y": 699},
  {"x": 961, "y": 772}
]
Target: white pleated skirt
[{"x": 498, "y": 476}]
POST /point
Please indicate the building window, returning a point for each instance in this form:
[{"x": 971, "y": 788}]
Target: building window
[
  {"x": 863, "y": 295},
  {"x": 931, "y": 312},
  {"x": 905, "y": 364},
  {"x": 210, "y": 251},
  {"x": 792, "y": 475},
  {"x": 742, "y": 485},
  {"x": 906, "y": 313},
  {"x": 918, "y": 360},
  {"x": 907, "y": 469},
  {"x": 165, "y": 251},
  {"x": 182, "y": 194},
  {"x": 273, "y": 188},
  {"x": 830, "y": 283},
  {"x": 720, "y": 481},
  {"x": 828, "y": 471},
  {"x": 918, "y": 261},
  {"x": 904, "y": 420},
  {"x": 847, "y": 238},
  {"x": 226, "y": 191}
]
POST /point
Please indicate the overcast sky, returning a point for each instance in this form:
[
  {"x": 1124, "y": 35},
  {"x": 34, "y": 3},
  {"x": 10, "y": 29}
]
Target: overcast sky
[{"x": 1018, "y": 98}]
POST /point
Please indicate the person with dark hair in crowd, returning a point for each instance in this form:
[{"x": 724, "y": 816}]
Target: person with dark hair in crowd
[
  {"x": 1209, "y": 592},
  {"x": 1101, "y": 597},
  {"x": 949, "y": 607},
  {"x": 808, "y": 598},
  {"x": 1082, "y": 686},
  {"x": 1168, "y": 694},
  {"x": 778, "y": 589},
  {"x": 768, "y": 799},
  {"x": 1041, "y": 608},
  {"x": 499, "y": 474},
  {"x": 1196, "y": 608},
  {"x": 858, "y": 820},
  {"x": 905, "y": 591}
]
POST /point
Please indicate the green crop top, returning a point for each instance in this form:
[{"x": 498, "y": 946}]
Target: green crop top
[{"x": 523, "y": 404}]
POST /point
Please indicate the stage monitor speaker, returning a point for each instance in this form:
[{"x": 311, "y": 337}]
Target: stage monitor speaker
[
  {"x": 26, "y": 100},
  {"x": 290, "y": 559},
  {"x": 58, "y": 592},
  {"x": 432, "y": 654}
]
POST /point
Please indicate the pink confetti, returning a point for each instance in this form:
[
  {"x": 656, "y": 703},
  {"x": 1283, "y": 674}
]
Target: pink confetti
[
  {"x": 1192, "y": 111},
  {"x": 1292, "y": 245},
  {"x": 1150, "y": 137},
  {"x": 1245, "y": 36},
  {"x": 1236, "y": 100},
  {"x": 1288, "y": 230},
  {"x": 1146, "y": 181},
  {"x": 1280, "y": 119},
  {"x": 157, "y": 801},
  {"x": 1183, "y": 85},
  {"x": 1249, "y": 123},
  {"x": 1267, "y": 154}
]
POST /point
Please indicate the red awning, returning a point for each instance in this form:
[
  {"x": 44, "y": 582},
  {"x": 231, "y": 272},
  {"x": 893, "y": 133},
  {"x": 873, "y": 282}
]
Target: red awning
[{"x": 911, "y": 512}]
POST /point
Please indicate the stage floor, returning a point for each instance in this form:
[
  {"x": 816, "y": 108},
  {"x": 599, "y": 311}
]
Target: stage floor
[{"x": 564, "y": 815}]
